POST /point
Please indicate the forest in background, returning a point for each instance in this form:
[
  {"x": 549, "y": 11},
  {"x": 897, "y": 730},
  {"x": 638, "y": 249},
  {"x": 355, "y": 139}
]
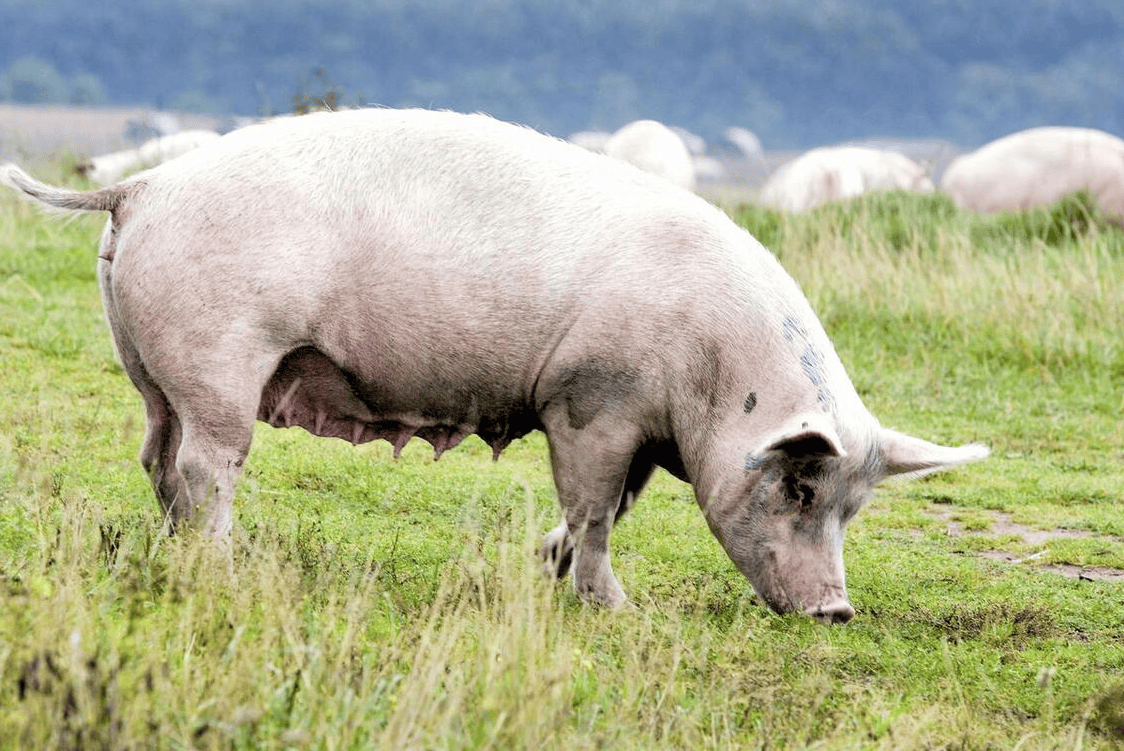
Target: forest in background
[{"x": 796, "y": 73}]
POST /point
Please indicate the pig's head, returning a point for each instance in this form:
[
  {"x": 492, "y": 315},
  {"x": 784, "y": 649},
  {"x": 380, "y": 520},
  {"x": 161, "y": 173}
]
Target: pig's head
[{"x": 782, "y": 518}]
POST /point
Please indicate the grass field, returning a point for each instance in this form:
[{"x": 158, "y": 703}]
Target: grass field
[{"x": 383, "y": 604}]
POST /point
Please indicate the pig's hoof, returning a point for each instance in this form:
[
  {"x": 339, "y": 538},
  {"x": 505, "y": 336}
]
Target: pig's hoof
[
  {"x": 557, "y": 552},
  {"x": 611, "y": 600},
  {"x": 609, "y": 596}
]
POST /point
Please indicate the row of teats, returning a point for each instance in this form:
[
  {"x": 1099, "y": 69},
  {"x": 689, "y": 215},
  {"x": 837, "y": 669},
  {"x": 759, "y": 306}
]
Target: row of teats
[{"x": 1023, "y": 170}]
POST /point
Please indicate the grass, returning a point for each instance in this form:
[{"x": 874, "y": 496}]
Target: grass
[{"x": 382, "y": 604}]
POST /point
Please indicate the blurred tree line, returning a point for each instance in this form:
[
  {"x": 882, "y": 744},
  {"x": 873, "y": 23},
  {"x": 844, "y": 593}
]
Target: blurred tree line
[{"x": 799, "y": 73}]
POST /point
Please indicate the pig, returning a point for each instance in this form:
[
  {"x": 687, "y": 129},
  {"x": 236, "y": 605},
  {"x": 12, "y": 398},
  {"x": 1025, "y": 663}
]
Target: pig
[
  {"x": 592, "y": 140},
  {"x": 108, "y": 168},
  {"x": 1038, "y": 166},
  {"x": 655, "y": 148},
  {"x": 830, "y": 174},
  {"x": 746, "y": 140},
  {"x": 390, "y": 274}
]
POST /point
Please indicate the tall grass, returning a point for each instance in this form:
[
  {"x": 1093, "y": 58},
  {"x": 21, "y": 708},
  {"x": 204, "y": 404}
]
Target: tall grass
[
  {"x": 373, "y": 603},
  {"x": 1037, "y": 292},
  {"x": 274, "y": 654}
]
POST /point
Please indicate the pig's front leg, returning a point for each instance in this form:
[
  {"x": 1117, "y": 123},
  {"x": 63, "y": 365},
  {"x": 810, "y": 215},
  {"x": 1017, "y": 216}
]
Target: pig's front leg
[{"x": 591, "y": 466}]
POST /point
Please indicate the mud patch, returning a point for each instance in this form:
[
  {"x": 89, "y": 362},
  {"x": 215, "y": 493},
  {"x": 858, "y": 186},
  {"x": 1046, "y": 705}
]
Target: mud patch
[
  {"x": 1002, "y": 526},
  {"x": 1070, "y": 572}
]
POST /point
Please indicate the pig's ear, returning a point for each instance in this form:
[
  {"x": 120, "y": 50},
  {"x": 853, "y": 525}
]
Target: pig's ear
[
  {"x": 905, "y": 454},
  {"x": 807, "y": 436}
]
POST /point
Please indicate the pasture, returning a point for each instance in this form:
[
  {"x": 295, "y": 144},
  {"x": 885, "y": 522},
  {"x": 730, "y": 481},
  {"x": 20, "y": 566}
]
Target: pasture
[{"x": 375, "y": 603}]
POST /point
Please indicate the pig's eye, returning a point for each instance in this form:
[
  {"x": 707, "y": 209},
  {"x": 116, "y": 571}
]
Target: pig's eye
[{"x": 799, "y": 492}]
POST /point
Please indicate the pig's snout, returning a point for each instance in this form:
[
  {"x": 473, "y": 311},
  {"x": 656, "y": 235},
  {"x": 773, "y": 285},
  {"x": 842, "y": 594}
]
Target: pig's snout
[{"x": 838, "y": 611}]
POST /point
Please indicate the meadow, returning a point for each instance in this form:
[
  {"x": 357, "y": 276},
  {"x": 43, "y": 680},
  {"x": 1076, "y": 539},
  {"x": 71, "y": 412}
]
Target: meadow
[{"x": 375, "y": 603}]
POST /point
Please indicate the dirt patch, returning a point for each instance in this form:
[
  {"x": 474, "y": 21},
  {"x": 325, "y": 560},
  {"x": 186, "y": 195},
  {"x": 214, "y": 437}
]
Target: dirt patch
[
  {"x": 1002, "y": 526},
  {"x": 1084, "y": 573}
]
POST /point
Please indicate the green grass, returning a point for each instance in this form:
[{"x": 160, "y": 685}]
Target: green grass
[{"x": 382, "y": 604}]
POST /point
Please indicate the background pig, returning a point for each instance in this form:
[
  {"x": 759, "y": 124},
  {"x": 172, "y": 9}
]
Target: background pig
[
  {"x": 391, "y": 274},
  {"x": 108, "y": 168},
  {"x": 655, "y": 148},
  {"x": 1038, "y": 166},
  {"x": 836, "y": 173}
]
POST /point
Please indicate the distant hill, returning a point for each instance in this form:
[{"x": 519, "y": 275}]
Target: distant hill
[{"x": 797, "y": 73}]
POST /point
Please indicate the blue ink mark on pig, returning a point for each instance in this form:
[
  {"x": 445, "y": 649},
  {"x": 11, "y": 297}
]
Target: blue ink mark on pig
[{"x": 811, "y": 362}]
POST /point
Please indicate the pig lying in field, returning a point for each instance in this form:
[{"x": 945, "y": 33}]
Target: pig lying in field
[
  {"x": 391, "y": 274},
  {"x": 107, "y": 168},
  {"x": 835, "y": 173},
  {"x": 1038, "y": 166}
]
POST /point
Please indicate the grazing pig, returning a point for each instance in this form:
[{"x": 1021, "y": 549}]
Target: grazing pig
[
  {"x": 830, "y": 174},
  {"x": 391, "y": 274},
  {"x": 1036, "y": 167},
  {"x": 655, "y": 148},
  {"x": 107, "y": 168}
]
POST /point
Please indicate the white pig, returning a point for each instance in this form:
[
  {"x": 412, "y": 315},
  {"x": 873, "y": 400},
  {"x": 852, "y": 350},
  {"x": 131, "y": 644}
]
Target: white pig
[
  {"x": 390, "y": 274},
  {"x": 107, "y": 168},
  {"x": 655, "y": 148},
  {"x": 1036, "y": 167},
  {"x": 834, "y": 173}
]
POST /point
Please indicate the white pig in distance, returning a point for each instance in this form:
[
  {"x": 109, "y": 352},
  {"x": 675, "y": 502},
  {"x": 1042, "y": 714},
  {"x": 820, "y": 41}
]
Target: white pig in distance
[
  {"x": 654, "y": 148},
  {"x": 1036, "y": 167},
  {"x": 835, "y": 173},
  {"x": 391, "y": 274}
]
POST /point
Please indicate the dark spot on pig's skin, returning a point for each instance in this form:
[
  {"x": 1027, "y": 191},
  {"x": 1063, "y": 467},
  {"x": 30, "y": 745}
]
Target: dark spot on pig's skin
[
  {"x": 590, "y": 387},
  {"x": 750, "y": 402}
]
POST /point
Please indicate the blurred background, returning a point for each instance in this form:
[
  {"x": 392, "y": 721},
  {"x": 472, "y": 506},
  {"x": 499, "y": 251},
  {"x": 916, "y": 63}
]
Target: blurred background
[{"x": 794, "y": 73}]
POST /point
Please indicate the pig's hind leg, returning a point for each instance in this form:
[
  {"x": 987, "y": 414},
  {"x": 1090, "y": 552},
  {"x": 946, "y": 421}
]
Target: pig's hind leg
[
  {"x": 162, "y": 426},
  {"x": 158, "y": 455},
  {"x": 215, "y": 403},
  {"x": 217, "y": 418}
]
